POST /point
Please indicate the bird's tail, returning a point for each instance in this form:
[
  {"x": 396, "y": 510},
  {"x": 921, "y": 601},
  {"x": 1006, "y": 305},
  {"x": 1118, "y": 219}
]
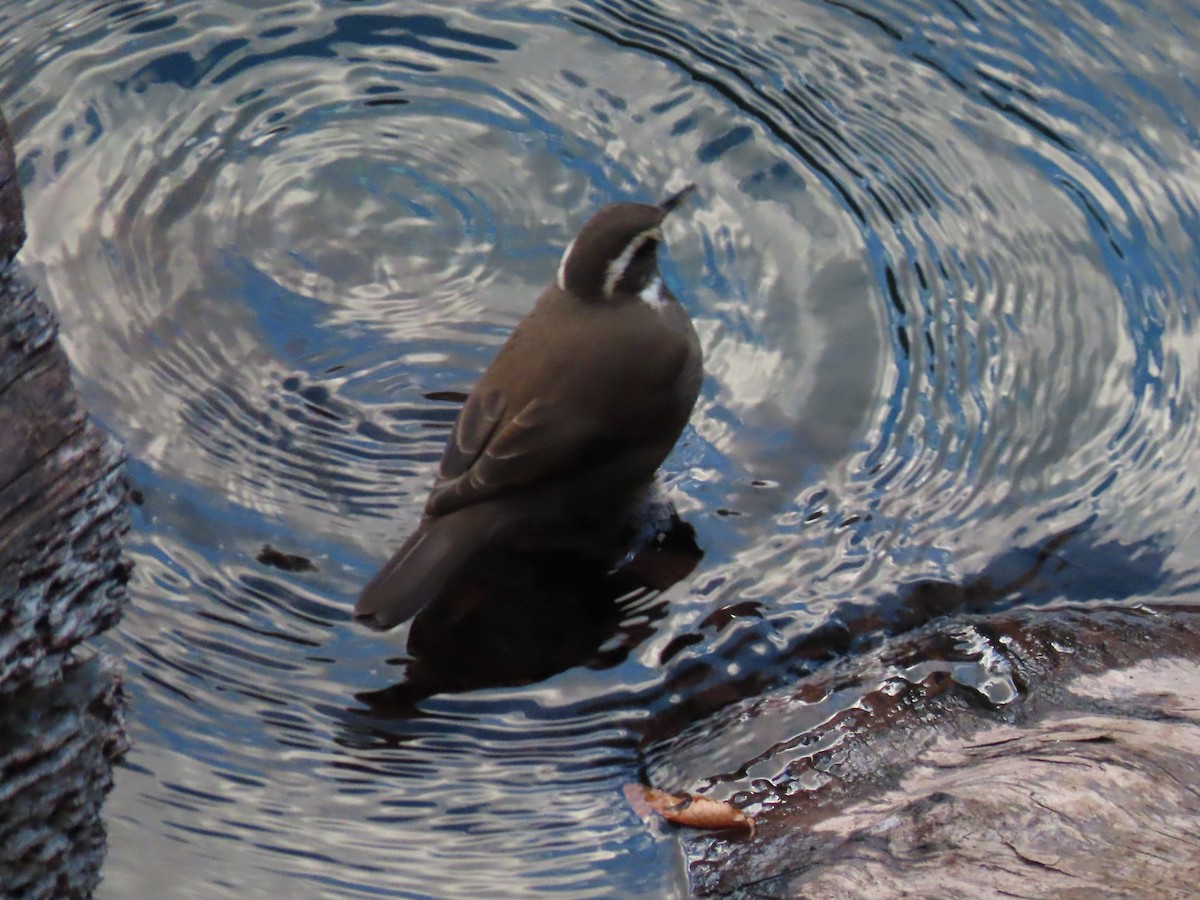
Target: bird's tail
[{"x": 422, "y": 569}]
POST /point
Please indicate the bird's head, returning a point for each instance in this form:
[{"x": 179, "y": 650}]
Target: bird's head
[{"x": 616, "y": 252}]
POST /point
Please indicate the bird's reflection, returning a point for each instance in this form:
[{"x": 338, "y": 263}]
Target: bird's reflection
[{"x": 516, "y": 620}]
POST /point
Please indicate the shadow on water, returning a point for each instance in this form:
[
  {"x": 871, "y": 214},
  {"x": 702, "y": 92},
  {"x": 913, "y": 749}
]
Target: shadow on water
[
  {"x": 1070, "y": 567},
  {"x": 944, "y": 269},
  {"x": 1071, "y": 570},
  {"x": 526, "y": 619},
  {"x": 536, "y": 618}
]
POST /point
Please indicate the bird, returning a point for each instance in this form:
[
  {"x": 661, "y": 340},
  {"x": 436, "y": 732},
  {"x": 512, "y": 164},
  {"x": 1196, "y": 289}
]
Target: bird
[{"x": 564, "y": 432}]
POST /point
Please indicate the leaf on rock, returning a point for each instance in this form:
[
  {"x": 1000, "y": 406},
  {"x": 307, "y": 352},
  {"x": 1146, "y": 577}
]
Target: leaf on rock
[{"x": 685, "y": 809}]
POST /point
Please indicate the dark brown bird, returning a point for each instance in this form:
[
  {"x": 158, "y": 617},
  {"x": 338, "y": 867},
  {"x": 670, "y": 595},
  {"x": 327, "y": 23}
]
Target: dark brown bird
[{"x": 566, "y": 428}]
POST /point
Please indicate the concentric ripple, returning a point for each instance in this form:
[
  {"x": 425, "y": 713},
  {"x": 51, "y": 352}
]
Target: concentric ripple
[{"x": 943, "y": 262}]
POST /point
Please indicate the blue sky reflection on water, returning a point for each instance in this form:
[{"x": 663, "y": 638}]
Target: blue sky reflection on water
[{"x": 944, "y": 268}]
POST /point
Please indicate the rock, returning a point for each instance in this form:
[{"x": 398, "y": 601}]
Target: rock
[
  {"x": 57, "y": 748},
  {"x": 62, "y": 492},
  {"x": 63, "y": 511},
  {"x": 12, "y": 209},
  {"x": 1082, "y": 781}
]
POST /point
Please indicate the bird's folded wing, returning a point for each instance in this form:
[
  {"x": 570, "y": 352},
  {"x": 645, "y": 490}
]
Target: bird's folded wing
[
  {"x": 488, "y": 455},
  {"x": 474, "y": 427}
]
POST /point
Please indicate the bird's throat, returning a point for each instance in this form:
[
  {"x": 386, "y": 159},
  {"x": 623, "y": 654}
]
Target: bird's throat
[{"x": 653, "y": 294}]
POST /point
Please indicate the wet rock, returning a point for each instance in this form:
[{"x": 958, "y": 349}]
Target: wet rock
[
  {"x": 12, "y": 209},
  {"x": 285, "y": 562},
  {"x": 57, "y": 747},
  {"x": 909, "y": 773},
  {"x": 62, "y": 581},
  {"x": 62, "y": 492}
]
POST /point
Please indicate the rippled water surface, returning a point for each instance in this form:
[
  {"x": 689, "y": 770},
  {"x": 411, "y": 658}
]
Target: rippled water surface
[{"x": 944, "y": 267}]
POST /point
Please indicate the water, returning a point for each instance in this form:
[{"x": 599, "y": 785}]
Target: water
[{"x": 944, "y": 267}]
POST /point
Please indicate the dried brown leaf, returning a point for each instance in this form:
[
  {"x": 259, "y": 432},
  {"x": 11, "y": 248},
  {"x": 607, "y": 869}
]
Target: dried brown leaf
[{"x": 686, "y": 809}]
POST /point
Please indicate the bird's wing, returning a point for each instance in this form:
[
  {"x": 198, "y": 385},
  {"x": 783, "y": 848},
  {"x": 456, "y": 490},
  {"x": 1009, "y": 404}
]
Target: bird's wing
[
  {"x": 474, "y": 427},
  {"x": 491, "y": 452}
]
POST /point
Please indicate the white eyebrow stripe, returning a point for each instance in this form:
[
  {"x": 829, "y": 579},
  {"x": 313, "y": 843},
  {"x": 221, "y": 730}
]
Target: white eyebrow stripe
[
  {"x": 562, "y": 266},
  {"x": 618, "y": 266}
]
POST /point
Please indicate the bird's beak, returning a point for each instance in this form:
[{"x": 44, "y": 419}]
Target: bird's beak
[{"x": 675, "y": 199}]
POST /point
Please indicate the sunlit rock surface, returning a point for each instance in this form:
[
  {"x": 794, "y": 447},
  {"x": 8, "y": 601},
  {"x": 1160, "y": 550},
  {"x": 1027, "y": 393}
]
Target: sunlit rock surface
[{"x": 911, "y": 772}]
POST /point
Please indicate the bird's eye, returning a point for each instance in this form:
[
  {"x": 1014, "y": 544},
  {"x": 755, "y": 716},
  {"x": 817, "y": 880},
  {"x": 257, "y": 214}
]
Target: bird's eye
[
  {"x": 646, "y": 252},
  {"x": 637, "y": 268}
]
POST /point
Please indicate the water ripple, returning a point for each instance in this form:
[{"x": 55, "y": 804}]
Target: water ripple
[{"x": 943, "y": 263}]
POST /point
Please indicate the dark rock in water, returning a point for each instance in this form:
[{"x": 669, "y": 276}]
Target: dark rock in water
[
  {"x": 62, "y": 581},
  {"x": 57, "y": 749},
  {"x": 285, "y": 562},
  {"x": 558, "y": 610},
  {"x": 62, "y": 489},
  {"x": 12, "y": 209}
]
